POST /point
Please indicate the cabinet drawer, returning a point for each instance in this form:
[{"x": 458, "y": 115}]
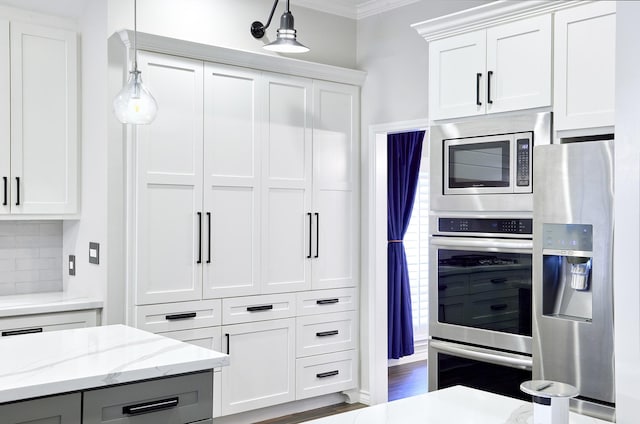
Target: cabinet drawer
[
  {"x": 322, "y": 374},
  {"x": 492, "y": 281},
  {"x": 236, "y": 310},
  {"x": 179, "y": 316},
  {"x": 174, "y": 400},
  {"x": 325, "y": 301},
  {"x": 317, "y": 334},
  {"x": 452, "y": 285},
  {"x": 63, "y": 409},
  {"x": 38, "y": 323}
]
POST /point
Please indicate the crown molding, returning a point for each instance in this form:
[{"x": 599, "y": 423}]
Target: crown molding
[{"x": 353, "y": 9}]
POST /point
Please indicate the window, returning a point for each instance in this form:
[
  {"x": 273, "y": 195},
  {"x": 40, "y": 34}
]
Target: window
[{"x": 416, "y": 244}]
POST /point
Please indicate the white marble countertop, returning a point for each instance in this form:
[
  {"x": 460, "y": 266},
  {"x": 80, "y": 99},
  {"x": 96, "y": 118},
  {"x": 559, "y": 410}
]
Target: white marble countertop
[
  {"x": 40, "y": 303},
  {"x": 53, "y": 362},
  {"x": 454, "y": 405}
]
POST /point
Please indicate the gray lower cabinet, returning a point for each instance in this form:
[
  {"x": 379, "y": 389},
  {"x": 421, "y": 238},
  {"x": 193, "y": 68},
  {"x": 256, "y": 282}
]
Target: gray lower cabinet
[
  {"x": 176, "y": 400},
  {"x": 62, "y": 409},
  {"x": 183, "y": 399}
]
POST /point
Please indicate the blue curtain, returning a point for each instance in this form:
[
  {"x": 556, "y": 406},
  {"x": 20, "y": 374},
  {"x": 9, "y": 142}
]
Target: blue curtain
[{"x": 403, "y": 165}]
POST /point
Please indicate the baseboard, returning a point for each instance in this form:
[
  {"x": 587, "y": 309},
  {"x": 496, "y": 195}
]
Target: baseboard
[
  {"x": 420, "y": 353},
  {"x": 275, "y": 411}
]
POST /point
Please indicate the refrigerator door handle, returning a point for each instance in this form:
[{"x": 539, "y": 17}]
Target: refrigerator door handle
[{"x": 484, "y": 355}]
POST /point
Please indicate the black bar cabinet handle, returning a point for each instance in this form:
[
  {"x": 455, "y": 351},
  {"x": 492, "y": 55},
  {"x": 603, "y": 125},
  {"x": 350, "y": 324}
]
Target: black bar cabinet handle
[
  {"x": 199, "y": 261},
  {"x": 317, "y": 235},
  {"x": 259, "y": 308},
  {"x": 327, "y": 301},
  {"x": 228, "y": 342},
  {"x": 17, "y": 191},
  {"x": 5, "y": 191},
  {"x": 147, "y": 407},
  {"x": 175, "y": 317},
  {"x": 499, "y": 280},
  {"x": 499, "y": 307},
  {"x": 327, "y": 374},
  {"x": 327, "y": 333},
  {"x": 478, "y": 76},
  {"x": 310, "y": 229},
  {"x": 442, "y": 287},
  {"x": 209, "y": 242},
  {"x": 20, "y": 332},
  {"x": 489, "y": 74}
]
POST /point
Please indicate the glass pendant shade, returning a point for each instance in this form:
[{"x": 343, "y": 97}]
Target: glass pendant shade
[{"x": 134, "y": 104}]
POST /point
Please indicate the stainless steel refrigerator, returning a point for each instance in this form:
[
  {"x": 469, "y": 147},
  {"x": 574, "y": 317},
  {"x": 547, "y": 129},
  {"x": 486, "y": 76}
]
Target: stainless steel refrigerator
[{"x": 573, "y": 271}]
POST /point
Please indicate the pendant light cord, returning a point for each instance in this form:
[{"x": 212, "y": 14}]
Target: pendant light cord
[{"x": 135, "y": 36}]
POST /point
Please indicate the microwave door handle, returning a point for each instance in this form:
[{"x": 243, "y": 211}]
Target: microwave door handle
[
  {"x": 484, "y": 244},
  {"x": 483, "y": 355}
]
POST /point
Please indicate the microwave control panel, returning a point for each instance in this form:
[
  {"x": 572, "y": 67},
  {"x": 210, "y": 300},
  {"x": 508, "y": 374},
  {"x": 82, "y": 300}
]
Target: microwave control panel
[
  {"x": 523, "y": 162},
  {"x": 485, "y": 225}
]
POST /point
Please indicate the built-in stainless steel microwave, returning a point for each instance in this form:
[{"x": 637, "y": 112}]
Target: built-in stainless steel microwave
[
  {"x": 491, "y": 164},
  {"x": 485, "y": 164}
]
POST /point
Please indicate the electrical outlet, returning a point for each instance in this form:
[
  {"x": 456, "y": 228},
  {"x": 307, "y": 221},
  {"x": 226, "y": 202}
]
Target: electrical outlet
[
  {"x": 72, "y": 264},
  {"x": 94, "y": 253}
]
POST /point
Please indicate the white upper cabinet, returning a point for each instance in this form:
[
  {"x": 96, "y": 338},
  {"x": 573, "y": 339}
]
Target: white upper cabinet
[
  {"x": 502, "y": 68},
  {"x": 232, "y": 181},
  {"x": 168, "y": 216},
  {"x": 584, "y": 66},
  {"x": 43, "y": 147}
]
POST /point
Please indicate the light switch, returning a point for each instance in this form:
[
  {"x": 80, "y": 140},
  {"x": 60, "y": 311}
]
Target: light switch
[
  {"x": 72, "y": 264},
  {"x": 94, "y": 253}
]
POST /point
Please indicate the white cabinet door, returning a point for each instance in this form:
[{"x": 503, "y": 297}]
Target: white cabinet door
[
  {"x": 232, "y": 181},
  {"x": 5, "y": 127},
  {"x": 519, "y": 65},
  {"x": 584, "y": 66},
  {"x": 262, "y": 370},
  {"x": 335, "y": 247},
  {"x": 287, "y": 176},
  {"x": 44, "y": 121},
  {"x": 168, "y": 217},
  {"x": 457, "y": 76}
]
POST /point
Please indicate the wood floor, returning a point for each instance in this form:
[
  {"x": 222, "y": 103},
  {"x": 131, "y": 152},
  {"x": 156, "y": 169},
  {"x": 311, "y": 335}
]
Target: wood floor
[{"x": 404, "y": 381}]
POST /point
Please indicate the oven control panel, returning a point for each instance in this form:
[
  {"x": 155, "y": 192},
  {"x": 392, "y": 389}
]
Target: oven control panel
[
  {"x": 485, "y": 225},
  {"x": 523, "y": 167}
]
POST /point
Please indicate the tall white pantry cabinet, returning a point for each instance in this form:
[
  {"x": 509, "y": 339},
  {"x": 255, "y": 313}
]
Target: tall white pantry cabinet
[{"x": 244, "y": 226}]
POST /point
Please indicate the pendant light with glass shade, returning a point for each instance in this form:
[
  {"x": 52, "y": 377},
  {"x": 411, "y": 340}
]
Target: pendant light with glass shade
[
  {"x": 134, "y": 104},
  {"x": 286, "y": 35}
]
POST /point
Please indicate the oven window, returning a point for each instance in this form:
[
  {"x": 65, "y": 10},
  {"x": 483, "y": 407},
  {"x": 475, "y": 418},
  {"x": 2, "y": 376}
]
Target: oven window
[
  {"x": 500, "y": 379},
  {"x": 488, "y": 290},
  {"x": 479, "y": 164}
]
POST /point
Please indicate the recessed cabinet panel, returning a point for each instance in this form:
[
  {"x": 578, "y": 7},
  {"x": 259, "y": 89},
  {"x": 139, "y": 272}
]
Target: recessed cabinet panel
[
  {"x": 5, "y": 127},
  {"x": 457, "y": 76},
  {"x": 231, "y": 238},
  {"x": 584, "y": 66},
  {"x": 63, "y": 409},
  {"x": 288, "y": 146},
  {"x": 169, "y": 176},
  {"x": 230, "y": 122},
  {"x": 44, "y": 146}
]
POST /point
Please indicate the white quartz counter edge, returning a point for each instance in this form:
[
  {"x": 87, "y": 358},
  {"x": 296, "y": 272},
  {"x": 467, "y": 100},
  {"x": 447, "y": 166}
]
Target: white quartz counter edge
[
  {"x": 42, "y": 303},
  {"x": 454, "y": 405},
  {"x": 43, "y": 364}
]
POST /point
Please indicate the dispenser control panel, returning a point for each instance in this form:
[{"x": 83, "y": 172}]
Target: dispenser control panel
[{"x": 568, "y": 237}]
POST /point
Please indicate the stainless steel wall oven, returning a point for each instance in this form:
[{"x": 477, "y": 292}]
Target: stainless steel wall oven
[{"x": 481, "y": 307}]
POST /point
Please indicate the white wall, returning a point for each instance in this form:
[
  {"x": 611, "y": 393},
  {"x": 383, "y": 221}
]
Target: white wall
[
  {"x": 226, "y": 23},
  {"x": 627, "y": 213}
]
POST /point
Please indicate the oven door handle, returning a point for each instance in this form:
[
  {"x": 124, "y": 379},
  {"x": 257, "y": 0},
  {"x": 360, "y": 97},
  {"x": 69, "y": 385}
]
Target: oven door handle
[
  {"x": 484, "y": 244},
  {"x": 484, "y": 355}
]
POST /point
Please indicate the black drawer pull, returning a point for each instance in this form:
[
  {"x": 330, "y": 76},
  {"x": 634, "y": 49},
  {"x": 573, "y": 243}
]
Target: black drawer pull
[
  {"x": 442, "y": 287},
  {"x": 175, "y": 317},
  {"x": 499, "y": 307},
  {"x": 327, "y": 301},
  {"x": 5, "y": 191},
  {"x": 327, "y": 374},
  {"x": 478, "y": 76},
  {"x": 20, "y": 332},
  {"x": 327, "y": 333},
  {"x": 147, "y": 407},
  {"x": 259, "y": 308},
  {"x": 499, "y": 280}
]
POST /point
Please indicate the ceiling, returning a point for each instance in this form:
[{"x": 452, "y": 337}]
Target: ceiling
[{"x": 354, "y": 9}]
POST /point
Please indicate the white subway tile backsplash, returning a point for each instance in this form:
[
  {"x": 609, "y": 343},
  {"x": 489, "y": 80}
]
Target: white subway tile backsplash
[{"x": 30, "y": 257}]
